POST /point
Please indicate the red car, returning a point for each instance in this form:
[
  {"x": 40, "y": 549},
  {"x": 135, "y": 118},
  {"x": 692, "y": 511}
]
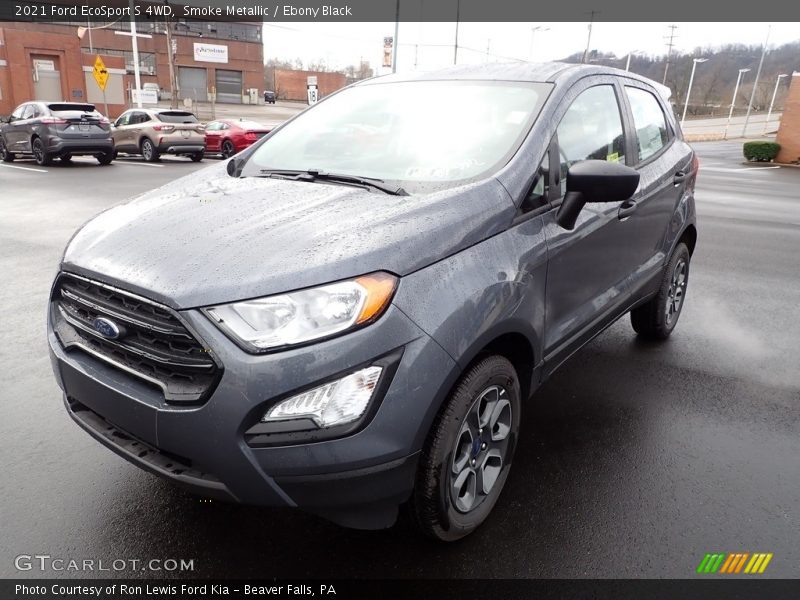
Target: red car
[{"x": 229, "y": 136}]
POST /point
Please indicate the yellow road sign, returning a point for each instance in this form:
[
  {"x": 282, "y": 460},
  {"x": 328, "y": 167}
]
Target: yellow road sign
[{"x": 100, "y": 73}]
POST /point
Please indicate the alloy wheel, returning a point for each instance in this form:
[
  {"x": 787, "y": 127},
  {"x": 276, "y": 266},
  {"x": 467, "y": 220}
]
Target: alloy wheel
[
  {"x": 676, "y": 291},
  {"x": 480, "y": 449}
]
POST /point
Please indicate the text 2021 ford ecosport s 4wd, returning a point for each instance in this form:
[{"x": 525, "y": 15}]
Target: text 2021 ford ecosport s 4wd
[{"x": 350, "y": 315}]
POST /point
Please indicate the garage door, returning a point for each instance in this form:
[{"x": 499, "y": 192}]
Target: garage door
[
  {"x": 193, "y": 83},
  {"x": 229, "y": 86}
]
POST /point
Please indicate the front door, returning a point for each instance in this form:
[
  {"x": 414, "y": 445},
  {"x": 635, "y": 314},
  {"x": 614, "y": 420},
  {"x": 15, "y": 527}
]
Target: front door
[{"x": 587, "y": 275}]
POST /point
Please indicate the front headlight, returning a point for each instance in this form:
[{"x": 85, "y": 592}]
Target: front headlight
[{"x": 305, "y": 315}]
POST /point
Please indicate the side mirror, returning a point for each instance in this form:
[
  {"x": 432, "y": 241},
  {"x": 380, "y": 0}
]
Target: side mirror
[
  {"x": 234, "y": 167},
  {"x": 595, "y": 181},
  {"x": 5, "y": 119}
]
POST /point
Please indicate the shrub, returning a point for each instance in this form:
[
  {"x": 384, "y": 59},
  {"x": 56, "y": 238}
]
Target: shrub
[{"x": 761, "y": 151}]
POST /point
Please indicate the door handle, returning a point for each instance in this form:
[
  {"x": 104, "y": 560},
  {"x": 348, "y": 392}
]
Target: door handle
[
  {"x": 680, "y": 176},
  {"x": 626, "y": 209}
]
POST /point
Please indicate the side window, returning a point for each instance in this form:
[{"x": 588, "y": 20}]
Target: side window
[
  {"x": 124, "y": 119},
  {"x": 591, "y": 130},
  {"x": 214, "y": 126},
  {"x": 537, "y": 196},
  {"x": 28, "y": 113},
  {"x": 649, "y": 120},
  {"x": 18, "y": 112}
]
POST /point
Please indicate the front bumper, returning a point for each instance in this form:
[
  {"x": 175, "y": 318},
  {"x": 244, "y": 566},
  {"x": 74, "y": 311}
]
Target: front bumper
[{"x": 357, "y": 480}]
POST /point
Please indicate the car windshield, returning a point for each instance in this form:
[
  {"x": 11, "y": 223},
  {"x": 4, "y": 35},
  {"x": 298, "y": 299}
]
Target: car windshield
[
  {"x": 424, "y": 135},
  {"x": 175, "y": 116}
]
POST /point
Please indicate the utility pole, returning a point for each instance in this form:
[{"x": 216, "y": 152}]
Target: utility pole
[
  {"x": 396, "y": 32},
  {"x": 173, "y": 100},
  {"x": 589, "y": 36},
  {"x": 135, "y": 41},
  {"x": 458, "y": 15},
  {"x": 488, "y": 47},
  {"x": 755, "y": 83},
  {"x": 670, "y": 44}
]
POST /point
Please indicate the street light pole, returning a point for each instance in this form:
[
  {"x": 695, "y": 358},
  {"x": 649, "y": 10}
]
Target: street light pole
[
  {"x": 689, "y": 91},
  {"x": 396, "y": 32},
  {"x": 774, "y": 93},
  {"x": 628, "y": 63},
  {"x": 733, "y": 101},
  {"x": 755, "y": 83},
  {"x": 458, "y": 15}
]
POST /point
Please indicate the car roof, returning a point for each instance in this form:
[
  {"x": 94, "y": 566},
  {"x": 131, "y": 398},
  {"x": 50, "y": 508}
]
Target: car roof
[{"x": 554, "y": 72}]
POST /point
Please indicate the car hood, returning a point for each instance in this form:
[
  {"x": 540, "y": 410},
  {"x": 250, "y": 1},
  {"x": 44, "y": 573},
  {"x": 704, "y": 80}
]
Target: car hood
[{"x": 209, "y": 238}]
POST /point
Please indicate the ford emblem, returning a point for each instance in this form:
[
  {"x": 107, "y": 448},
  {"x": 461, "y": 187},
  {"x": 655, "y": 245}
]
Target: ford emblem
[{"x": 107, "y": 328}]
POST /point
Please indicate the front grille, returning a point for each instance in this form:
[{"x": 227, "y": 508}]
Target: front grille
[{"x": 153, "y": 343}]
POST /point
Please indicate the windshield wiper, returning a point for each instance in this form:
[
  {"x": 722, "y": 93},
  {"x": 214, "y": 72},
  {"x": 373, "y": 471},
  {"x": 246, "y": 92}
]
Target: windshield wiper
[{"x": 318, "y": 175}]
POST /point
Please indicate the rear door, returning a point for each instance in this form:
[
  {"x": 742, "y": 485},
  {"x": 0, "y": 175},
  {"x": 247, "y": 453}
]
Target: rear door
[
  {"x": 664, "y": 165},
  {"x": 588, "y": 267}
]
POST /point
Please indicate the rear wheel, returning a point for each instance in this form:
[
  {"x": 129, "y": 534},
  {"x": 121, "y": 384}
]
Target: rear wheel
[
  {"x": 467, "y": 456},
  {"x": 658, "y": 317},
  {"x": 196, "y": 157},
  {"x": 105, "y": 158},
  {"x": 228, "y": 149},
  {"x": 5, "y": 155},
  {"x": 66, "y": 159},
  {"x": 149, "y": 151},
  {"x": 39, "y": 154}
]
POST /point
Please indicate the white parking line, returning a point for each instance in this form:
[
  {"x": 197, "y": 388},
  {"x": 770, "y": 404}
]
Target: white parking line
[
  {"x": 31, "y": 169},
  {"x": 136, "y": 164}
]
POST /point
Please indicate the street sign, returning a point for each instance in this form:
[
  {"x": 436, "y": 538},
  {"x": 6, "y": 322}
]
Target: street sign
[
  {"x": 313, "y": 94},
  {"x": 145, "y": 96},
  {"x": 100, "y": 73}
]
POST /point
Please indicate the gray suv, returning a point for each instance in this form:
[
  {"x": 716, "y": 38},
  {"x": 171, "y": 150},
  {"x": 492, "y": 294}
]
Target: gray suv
[
  {"x": 49, "y": 130},
  {"x": 351, "y": 315}
]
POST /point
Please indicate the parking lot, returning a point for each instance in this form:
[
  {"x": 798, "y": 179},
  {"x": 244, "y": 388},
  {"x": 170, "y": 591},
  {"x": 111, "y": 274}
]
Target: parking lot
[{"x": 635, "y": 459}]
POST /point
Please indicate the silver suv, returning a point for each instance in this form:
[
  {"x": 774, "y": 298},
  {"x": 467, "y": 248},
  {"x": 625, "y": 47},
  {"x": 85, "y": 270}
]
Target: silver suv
[{"x": 153, "y": 132}]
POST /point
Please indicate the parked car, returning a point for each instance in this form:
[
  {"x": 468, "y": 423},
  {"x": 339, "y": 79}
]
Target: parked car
[
  {"x": 49, "y": 130},
  {"x": 229, "y": 136},
  {"x": 344, "y": 331},
  {"x": 152, "y": 132},
  {"x": 269, "y": 97},
  {"x": 152, "y": 87}
]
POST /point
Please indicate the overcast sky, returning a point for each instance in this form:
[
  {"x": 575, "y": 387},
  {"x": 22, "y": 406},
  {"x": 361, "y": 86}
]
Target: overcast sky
[{"x": 430, "y": 45}]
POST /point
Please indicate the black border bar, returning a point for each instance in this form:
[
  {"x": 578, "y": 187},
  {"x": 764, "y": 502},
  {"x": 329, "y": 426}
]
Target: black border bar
[{"x": 710, "y": 11}]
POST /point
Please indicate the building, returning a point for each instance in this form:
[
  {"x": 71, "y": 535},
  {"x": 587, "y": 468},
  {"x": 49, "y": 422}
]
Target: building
[
  {"x": 789, "y": 133},
  {"x": 54, "y": 61},
  {"x": 291, "y": 84}
]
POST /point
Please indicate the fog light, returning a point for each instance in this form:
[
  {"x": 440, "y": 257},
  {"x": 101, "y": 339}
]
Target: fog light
[{"x": 334, "y": 403}]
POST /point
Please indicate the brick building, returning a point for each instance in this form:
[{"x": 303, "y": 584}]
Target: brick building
[
  {"x": 53, "y": 61},
  {"x": 789, "y": 132},
  {"x": 292, "y": 84}
]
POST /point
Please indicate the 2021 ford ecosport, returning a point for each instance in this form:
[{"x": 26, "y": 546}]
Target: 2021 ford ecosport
[{"x": 351, "y": 314}]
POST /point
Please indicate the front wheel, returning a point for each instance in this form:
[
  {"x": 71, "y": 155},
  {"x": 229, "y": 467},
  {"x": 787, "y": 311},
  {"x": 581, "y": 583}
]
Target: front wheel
[
  {"x": 657, "y": 318},
  {"x": 5, "y": 155},
  {"x": 467, "y": 456},
  {"x": 196, "y": 157}
]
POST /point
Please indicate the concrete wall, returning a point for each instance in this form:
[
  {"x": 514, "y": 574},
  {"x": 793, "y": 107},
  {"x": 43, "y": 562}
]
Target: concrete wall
[
  {"x": 789, "y": 132},
  {"x": 292, "y": 85}
]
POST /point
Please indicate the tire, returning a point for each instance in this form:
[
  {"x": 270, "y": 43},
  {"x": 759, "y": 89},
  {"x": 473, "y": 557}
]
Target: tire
[
  {"x": 197, "y": 156},
  {"x": 449, "y": 500},
  {"x": 657, "y": 319},
  {"x": 5, "y": 155},
  {"x": 66, "y": 159},
  {"x": 149, "y": 151},
  {"x": 105, "y": 158},
  {"x": 228, "y": 149},
  {"x": 39, "y": 154}
]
